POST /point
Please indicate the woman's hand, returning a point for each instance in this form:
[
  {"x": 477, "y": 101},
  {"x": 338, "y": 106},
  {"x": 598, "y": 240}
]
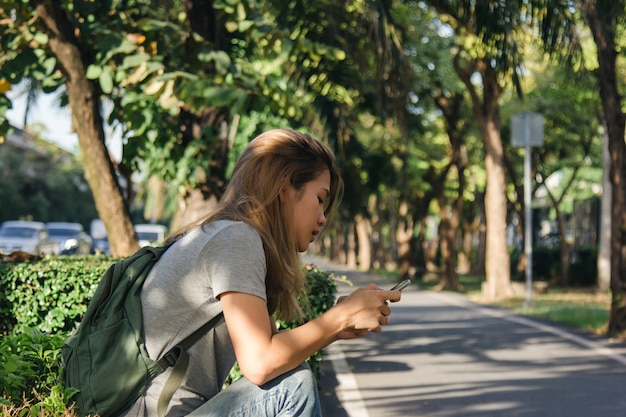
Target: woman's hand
[
  {"x": 367, "y": 310},
  {"x": 352, "y": 334}
]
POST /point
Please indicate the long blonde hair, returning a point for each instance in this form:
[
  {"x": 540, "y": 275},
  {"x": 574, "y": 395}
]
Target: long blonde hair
[{"x": 272, "y": 161}]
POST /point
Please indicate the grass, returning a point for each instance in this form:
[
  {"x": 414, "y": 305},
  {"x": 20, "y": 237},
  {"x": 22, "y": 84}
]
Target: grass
[{"x": 584, "y": 309}]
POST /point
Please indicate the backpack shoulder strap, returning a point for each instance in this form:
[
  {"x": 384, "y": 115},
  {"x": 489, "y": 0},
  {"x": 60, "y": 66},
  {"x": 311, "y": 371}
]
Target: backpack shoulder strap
[{"x": 179, "y": 359}]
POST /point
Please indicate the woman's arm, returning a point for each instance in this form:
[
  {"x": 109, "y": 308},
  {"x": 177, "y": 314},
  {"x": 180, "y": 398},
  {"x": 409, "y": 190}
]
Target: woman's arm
[{"x": 263, "y": 354}]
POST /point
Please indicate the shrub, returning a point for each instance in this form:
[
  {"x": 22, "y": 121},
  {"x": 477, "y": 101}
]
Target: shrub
[
  {"x": 29, "y": 369},
  {"x": 584, "y": 267},
  {"x": 321, "y": 291},
  {"x": 546, "y": 262},
  {"x": 50, "y": 294},
  {"x": 42, "y": 301}
]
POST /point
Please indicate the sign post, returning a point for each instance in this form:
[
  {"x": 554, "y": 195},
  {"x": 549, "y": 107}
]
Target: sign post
[{"x": 527, "y": 131}]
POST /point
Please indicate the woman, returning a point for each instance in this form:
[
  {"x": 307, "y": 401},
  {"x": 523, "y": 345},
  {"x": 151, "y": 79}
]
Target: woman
[{"x": 243, "y": 260}]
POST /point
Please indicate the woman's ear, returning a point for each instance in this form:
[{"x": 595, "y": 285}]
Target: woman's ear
[{"x": 287, "y": 195}]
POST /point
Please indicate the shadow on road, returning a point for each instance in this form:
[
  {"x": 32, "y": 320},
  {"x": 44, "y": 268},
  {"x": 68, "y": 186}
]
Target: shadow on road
[{"x": 444, "y": 356}]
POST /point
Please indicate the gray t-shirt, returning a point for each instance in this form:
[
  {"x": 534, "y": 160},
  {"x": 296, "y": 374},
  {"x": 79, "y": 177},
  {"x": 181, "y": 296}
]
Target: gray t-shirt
[{"x": 181, "y": 293}]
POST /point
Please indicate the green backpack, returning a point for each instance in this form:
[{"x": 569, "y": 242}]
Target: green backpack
[{"x": 105, "y": 358}]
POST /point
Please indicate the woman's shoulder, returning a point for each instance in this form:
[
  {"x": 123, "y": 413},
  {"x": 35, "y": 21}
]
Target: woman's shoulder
[
  {"x": 220, "y": 240},
  {"x": 234, "y": 240},
  {"x": 230, "y": 234},
  {"x": 232, "y": 228}
]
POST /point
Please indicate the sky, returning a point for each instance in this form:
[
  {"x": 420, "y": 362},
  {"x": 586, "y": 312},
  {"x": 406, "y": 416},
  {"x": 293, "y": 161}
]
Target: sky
[
  {"x": 45, "y": 111},
  {"x": 57, "y": 122}
]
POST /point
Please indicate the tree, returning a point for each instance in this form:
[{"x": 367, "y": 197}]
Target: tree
[
  {"x": 490, "y": 38},
  {"x": 486, "y": 46},
  {"x": 174, "y": 83},
  {"x": 604, "y": 18},
  {"x": 64, "y": 60},
  {"x": 373, "y": 76},
  {"x": 430, "y": 50},
  {"x": 565, "y": 96}
]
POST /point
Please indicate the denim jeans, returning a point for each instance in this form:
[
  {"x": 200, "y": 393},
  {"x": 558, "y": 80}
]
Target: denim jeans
[{"x": 291, "y": 394}]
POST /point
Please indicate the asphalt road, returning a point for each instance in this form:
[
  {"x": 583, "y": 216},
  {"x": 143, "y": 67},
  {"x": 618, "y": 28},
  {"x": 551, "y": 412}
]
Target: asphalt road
[{"x": 443, "y": 355}]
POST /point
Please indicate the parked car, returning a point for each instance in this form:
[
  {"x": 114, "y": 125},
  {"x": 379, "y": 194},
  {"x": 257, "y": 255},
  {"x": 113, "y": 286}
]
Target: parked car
[
  {"x": 150, "y": 234},
  {"x": 27, "y": 236},
  {"x": 100, "y": 239},
  {"x": 72, "y": 238},
  {"x": 101, "y": 246}
]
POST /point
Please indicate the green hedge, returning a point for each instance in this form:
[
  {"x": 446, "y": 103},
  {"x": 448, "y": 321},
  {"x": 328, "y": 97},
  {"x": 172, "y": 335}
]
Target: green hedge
[
  {"x": 547, "y": 265},
  {"x": 584, "y": 267},
  {"x": 42, "y": 301},
  {"x": 50, "y": 294}
]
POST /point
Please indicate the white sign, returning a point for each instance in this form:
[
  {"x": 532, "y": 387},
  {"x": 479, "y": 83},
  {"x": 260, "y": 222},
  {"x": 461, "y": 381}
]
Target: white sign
[{"x": 527, "y": 128}]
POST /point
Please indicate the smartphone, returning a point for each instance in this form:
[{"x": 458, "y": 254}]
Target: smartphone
[{"x": 402, "y": 285}]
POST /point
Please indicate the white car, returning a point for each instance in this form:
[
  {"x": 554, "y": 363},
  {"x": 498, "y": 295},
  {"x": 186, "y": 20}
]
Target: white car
[
  {"x": 150, "y": 234},
  {"x": 99, "y": 235},
  {"x": 27, "y": 236},
  {"x": 72, "y": 238}
]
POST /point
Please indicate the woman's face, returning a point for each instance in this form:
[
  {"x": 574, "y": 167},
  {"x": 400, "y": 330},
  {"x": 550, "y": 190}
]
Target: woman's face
[{"x": 308, "y": 208}]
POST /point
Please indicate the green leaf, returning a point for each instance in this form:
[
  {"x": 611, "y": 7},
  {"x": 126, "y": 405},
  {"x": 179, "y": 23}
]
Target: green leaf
[
  {"x": 220, "y": 58},
  {"x": 106, "y": 80},
  {"x": 148, "y": 25},
  {"x": 49, "y": 65},
  {"x": 132, "y": 61},
  {"x": 219, "y": 97},
  {"x": 41, "y": 38},
  {"x": 125, "y": 47},
  {"x": 245, "y": 25},
  {"x": 93, "y": 72}
]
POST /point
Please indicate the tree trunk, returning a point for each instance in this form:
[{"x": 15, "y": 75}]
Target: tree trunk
[
  {"x": 602, "y": 22},
  {"x": 478, "y": 267},
  {"x": 364, "y": 238},
  {"x": 463, "y": 259},
  {"x": 351, "y": 247},
  {"x": 404, "y": 237},
  {"x": 565, "y": 262},
  {"x": 450, "y": 209},
  {"x": 209, "y": 125},
  {"x": 497, "y": 266},
  {"x": 604, "y": 238},
  {"x": 84, "y": 103},
  {"x": 430, "y": 248},
  {"x": 338, "y": 244},
  {"x": 565, "y": 251},
  {"x": 192, "y": 207},
  {"x": 447, "y": 233},
  {"x": 378, "y": 249}
]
